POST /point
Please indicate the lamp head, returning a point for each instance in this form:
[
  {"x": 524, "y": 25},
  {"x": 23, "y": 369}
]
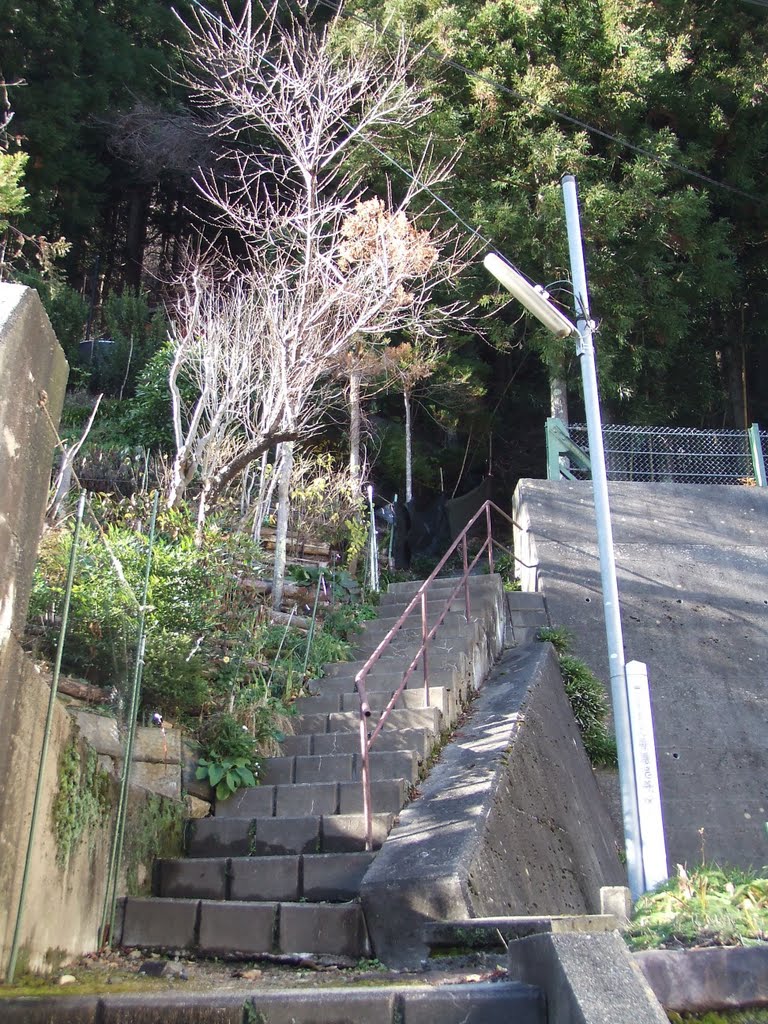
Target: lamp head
[{"x": 533, "y": 297}]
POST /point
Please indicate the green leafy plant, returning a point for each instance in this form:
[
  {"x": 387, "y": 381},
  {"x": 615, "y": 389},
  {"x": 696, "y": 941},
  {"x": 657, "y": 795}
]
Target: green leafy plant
[
  {"x": 706, "y": 905},
  {"x": 226, "y": 775},
  {"x": 228, "y": 756},
  {"x": 586, "y": 696}
]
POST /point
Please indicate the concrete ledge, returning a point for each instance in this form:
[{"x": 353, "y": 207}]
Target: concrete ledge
[
  {"x": 586, "y": 979},
  {"x": 497, "y": 932},
  {"x": 510, "y": 821},
  {"x": 698, "y": 980},
  {"x": 496, "y": 1003}
]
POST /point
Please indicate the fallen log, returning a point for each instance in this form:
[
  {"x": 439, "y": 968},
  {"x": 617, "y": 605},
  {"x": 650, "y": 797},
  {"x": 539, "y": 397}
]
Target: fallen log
[{"x": 82, "y": 691}]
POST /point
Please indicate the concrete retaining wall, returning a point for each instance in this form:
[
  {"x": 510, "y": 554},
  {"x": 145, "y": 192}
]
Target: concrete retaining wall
[
  {"x": 64, "y": 902},
  {"x": 692, "y": 566},
  {"x": 510, "y": 820}
]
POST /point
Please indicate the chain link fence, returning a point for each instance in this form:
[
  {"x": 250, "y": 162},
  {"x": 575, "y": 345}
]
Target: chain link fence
[{"x": 673, "y": 454}]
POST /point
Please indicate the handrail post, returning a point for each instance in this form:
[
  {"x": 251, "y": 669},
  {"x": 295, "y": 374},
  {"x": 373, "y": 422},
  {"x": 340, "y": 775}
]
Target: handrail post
[
  {"x": 465, "y": 560},
  {"x": 490, "y": 536},
  {"x": 424, "y": 641},
  {"x": 365, "y": 768}
]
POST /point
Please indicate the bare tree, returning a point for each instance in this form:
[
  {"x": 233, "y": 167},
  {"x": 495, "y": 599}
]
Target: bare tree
[{"x": 318, "y": 263}]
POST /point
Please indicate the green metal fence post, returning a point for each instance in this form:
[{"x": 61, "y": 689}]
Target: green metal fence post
[
  {"x": 756, "y": 450},
  {"x": 553, "y": 448},
  {"x": 110, "y": 898},
  {"x": 46, "y": 739}
]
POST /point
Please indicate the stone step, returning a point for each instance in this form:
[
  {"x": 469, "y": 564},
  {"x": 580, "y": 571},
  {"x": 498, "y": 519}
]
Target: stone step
[
  {"x": 520, "y": 635},
  {"x": 244, "y": 928},
  {"x": 388, "y": 616},
  {"x": 430, "y": 718},
  {"x": 408, "y": 641},
  {"x": 387, "y": 764},
  {"x": 333, "y": 877},
  {"x": 497, "y": 1002},
  {"x": 407, "y": 589},
  {"x": 299, "y": 800},
  {"x": 439, "y": 696},
  {"x": 389, "y": 665},
  {"x": 420, "y": 740},
  {"x": 522, "y": 601},
  {"x": 271, "y": 837},
  {"x": 457, "y": 679}
]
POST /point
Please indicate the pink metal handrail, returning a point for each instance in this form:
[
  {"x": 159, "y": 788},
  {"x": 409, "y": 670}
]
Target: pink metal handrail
[{"x": 420, "y": 599}]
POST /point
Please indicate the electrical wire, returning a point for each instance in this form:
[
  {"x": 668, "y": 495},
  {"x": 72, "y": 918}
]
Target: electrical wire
[{"x": 553, "y": 111}]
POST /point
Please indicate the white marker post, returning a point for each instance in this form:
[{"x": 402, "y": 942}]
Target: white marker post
[{"x": 653, "y": 849}]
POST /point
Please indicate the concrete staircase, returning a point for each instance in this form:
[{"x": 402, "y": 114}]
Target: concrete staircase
[{"x": 278, "y": 869}]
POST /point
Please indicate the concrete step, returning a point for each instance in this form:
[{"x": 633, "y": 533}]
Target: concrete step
[
  {"x": 272, "y": 837},
  {"x": 498, "y": 1002},
  {"x": 387, "y": 764},
  {"x": 521, "y": 601},
  {"x": 391, "y": 662},
  {"x": 420, "y": 740},
  {"x": 299, "y": 800},
  {"x": 453, "y": 621},
  {"x": 407, "y": 589},
  {"x": 430, "y": 718},
  {"x": 408, "y": 641},
  {"x": 412, "y": 697},
  {"x": 456, "y": 678},
  {"x": 244, "y": 928},
  {"x": 332, "y": 877}
]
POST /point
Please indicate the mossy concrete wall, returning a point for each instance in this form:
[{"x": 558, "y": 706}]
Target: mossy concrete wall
[{"x": 64, "y": 900}]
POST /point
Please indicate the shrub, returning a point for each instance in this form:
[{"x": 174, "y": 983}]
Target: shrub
[
  {"x": 587, "y": 698},
  {"x": 707, "y": 905}
]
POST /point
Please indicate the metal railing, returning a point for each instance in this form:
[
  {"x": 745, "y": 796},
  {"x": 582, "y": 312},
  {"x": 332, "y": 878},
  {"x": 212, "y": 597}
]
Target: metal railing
[
  {"x": 660, "y": 454},
  {"x": 419, "y": 600}
]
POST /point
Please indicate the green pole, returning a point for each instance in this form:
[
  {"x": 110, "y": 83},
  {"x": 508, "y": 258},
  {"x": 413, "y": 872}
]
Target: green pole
[
  {"x": 46, "y": 740},
  {"x": 311, "y": 633},
  {"x": 756, "y": 450},
  {"x": 110, "y": 897}
]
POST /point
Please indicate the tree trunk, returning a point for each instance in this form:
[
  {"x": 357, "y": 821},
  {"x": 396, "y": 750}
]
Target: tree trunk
[
  {"x": 258, "y": 517},
  {"x": 283, "y": 513},
  {"x": 408, "y": 449},
  {"x": 136, "y": 235},
  {"x": 354, "y": 431},
  {"x": 558, "y": 395}
]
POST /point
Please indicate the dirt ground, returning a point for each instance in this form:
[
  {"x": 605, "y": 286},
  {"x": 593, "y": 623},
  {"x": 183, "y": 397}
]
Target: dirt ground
[{"x": 142, "y": 971}]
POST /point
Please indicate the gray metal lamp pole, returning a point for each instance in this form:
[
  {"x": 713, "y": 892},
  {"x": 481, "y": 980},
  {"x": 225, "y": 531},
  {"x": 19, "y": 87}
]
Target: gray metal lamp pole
[{"x": 586, "y": 353}]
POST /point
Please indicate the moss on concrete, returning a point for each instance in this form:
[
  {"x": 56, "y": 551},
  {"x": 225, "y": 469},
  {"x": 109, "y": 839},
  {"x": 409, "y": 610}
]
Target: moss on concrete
[
  {"x": 154, "y": 829},
  {"x": 83, "y": 801}
]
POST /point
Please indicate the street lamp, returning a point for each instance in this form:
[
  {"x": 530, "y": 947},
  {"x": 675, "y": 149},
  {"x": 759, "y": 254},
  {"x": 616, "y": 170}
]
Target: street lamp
[{"x": 641, "y": 807}]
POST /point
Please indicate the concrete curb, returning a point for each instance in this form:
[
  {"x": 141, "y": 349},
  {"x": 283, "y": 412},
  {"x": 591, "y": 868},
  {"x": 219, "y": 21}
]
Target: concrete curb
[
  {"x": 698, "y": 980},
  {"x": 586, "y": 979}
]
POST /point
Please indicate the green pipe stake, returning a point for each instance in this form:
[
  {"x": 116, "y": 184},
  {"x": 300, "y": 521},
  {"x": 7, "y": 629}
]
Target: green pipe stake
[
  {"x": 46, "y": 739},
  {"x": 110, "y": 897},
  {"x": 311, "y": 633}
]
